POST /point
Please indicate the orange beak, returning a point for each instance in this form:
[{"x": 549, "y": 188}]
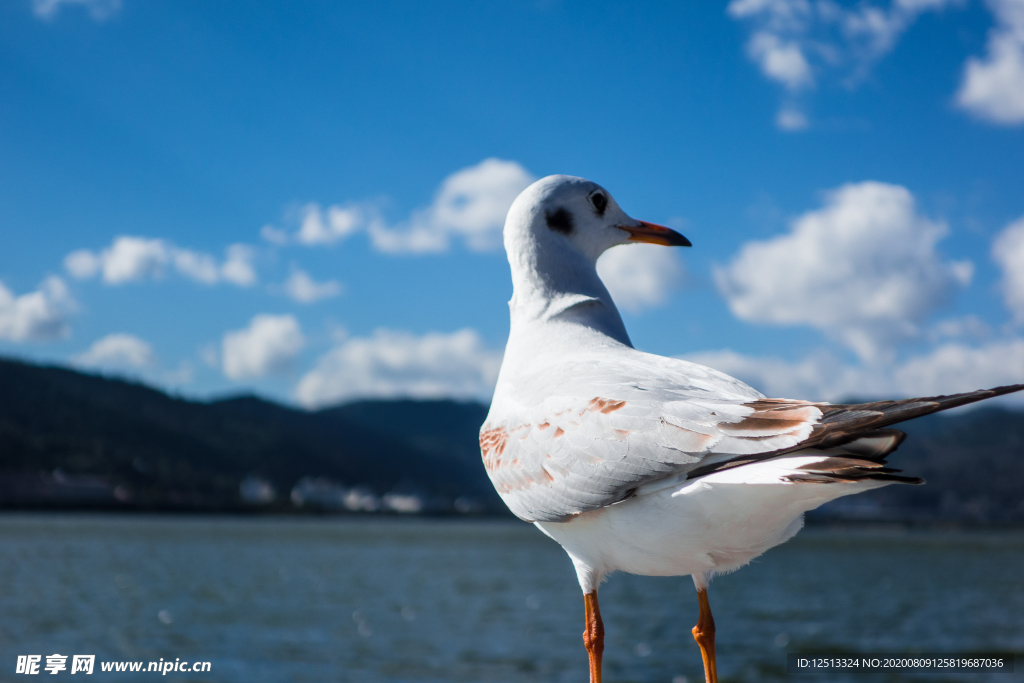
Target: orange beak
[{"x": 655, "y": 234}]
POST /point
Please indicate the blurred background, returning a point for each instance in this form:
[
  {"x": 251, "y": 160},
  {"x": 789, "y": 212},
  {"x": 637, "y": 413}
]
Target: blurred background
[{"x": 241, "y": 241}]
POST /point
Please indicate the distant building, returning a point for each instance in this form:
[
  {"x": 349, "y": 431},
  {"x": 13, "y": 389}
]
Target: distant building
[
  {"x": 408, "y": 504},
  {"x": 256, "y": 491},
  {"x": 362, "y": 499},
  {"x": 319, "y": 492}
]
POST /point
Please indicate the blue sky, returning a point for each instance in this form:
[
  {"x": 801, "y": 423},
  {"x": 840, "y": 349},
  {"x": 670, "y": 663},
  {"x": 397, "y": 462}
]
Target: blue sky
[{"x": 304, "y": 199}]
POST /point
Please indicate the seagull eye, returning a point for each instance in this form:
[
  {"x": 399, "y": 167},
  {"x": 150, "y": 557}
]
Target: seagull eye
[
  {"x": 600, "y": 202},
  {"x": 559, "y": 220}
]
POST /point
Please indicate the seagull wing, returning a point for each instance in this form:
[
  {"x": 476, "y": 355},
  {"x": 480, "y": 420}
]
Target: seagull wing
[{"x": 586, "y": 434}]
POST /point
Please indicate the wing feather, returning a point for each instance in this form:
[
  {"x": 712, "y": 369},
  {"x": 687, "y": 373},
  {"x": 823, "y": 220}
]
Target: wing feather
[
  {"x": 588, "y": 434},
  {"x": 857, "y": 429},
  {"x": 554, "y": 453}
]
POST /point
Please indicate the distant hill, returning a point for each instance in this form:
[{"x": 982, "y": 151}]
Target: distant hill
[{"x": 70, "y": 439}]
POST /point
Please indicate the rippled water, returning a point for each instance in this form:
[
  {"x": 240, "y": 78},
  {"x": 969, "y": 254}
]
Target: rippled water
[{"x": 267, "y": 599}]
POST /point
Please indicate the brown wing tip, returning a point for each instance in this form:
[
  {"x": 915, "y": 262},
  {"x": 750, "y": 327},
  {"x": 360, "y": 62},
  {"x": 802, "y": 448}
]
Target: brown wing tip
[
  {"x": 1008, "y": 389},
  {"x": 884, "y": 413},
  {"x": 972, "y": 396}
]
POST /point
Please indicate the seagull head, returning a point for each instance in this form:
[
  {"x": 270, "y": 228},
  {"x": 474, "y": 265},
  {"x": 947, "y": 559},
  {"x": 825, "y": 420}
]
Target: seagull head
[
  {"x": 554, "y": 233},
  {"x": 561, "y": 214}
]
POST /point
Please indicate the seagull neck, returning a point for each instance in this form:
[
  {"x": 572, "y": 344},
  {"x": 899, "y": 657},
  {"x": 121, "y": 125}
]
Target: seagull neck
[{"x": 558, "y": 289}]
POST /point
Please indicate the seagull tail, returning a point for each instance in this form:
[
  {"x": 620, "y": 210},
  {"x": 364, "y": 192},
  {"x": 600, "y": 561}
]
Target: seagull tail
[
  {"x": 848, "y": 470},
  {"x": 842, "y": 424},
  {"x": 859, "y": 430}
]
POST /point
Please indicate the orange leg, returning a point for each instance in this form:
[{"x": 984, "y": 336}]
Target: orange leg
[
  {"x": 593, "y": 636},
  {"x": 704, "y": 634}
]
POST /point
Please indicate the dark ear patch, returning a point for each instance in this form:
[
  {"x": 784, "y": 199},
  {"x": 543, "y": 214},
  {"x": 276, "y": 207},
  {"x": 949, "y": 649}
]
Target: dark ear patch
[{"x": 559, "y": 220}]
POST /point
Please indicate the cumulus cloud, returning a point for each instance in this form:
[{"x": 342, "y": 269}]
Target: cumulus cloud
[
  {"x": 953, "y": 368},
  {"x": 180, "y": 376},
  {"x": 125, "y": 260},
  {"x": 305, "y": 290},
  {"x": 196, "y": 266},
  {"x": 1008, "y": 252},
  {"x": 993, "y": 86},
  {"x": 780, "y": 60},
  {"x": 99, "y": 10},
  {"x": 267, "y": 346},
  {"x": 392, "y": 364},
  {"x": 639, "y": 276},
  {"x": 82, "y": 264},
  {"x": 796, "y": 42},
  {"x": 117, "y": 352},
  {"x": 36, "y": 316},
  {"x": 818, "y": 377},
  {"x": 133, "y": 259},
  {"x": 334, "y": 224},
  {"x": 863, "y": 269},
  {"x": 947, "y": 369},
  {"x": 274, "y": 235},
  {"x": 791, "y": 119},
  {"x": 238, "y": 265},
  {"x": 469, "y": 207},
  {"x": 964, "y": 327},
  {"x": 471, "y": 204}
]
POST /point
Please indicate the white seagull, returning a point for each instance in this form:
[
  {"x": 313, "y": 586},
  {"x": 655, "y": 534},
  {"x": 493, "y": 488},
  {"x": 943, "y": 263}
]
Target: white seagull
[{"x": 645, "y": 464}]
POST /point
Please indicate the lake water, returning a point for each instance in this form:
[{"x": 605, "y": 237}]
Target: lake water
[{"x": 329, "y": 599}]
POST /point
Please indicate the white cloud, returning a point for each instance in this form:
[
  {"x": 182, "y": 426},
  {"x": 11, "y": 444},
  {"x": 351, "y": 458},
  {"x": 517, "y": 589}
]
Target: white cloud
[
  {"x": 1008, "y": 252},
  {"x": 639, "y": 276},
  {"x": 180, "y": 376},
  {"x": 948, "y": 369},
  {"x": 337, "y": 223},
  {"x": 954, "y": 368},
  {"x": 863, "y": 270},
  {"x": 100, "y": 10},
  {"x": 964, "y": 327},
  {"x": 117, "y": 352},
  {"x": 777, "y": 15},
  {"x": 38, "y": 315},
  {"x": 209, "y": 354},
  {"x": 470, "y": 206},
  {"x": 82, "y": 264},
  {"x": 791, "y": 119},
  {"x": 274, "y": 235},
  {"x": 268, "y": 345},
  {"x": 195, "y": 266},
  {"x": 237, "y": 267},
  {"x": 132, "y": 259},
  {"x": 393, "y": 364},
  {"x": 993, "y": 86},
  {"x": 780, "y": 60},
  {"x": 819, "y": 377},
  {"x": 304, "y": 289},
  {"x": 796, "y": 42}
]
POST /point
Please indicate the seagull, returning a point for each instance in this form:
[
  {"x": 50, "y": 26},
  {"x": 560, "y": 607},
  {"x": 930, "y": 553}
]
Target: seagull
[{"x": 644, "y": 464}]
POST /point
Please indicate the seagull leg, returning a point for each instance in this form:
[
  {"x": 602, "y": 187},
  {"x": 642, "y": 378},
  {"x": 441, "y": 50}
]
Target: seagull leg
[
  {"x": 704, "y": 634},
  {"x": 593, "y": 635}
]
